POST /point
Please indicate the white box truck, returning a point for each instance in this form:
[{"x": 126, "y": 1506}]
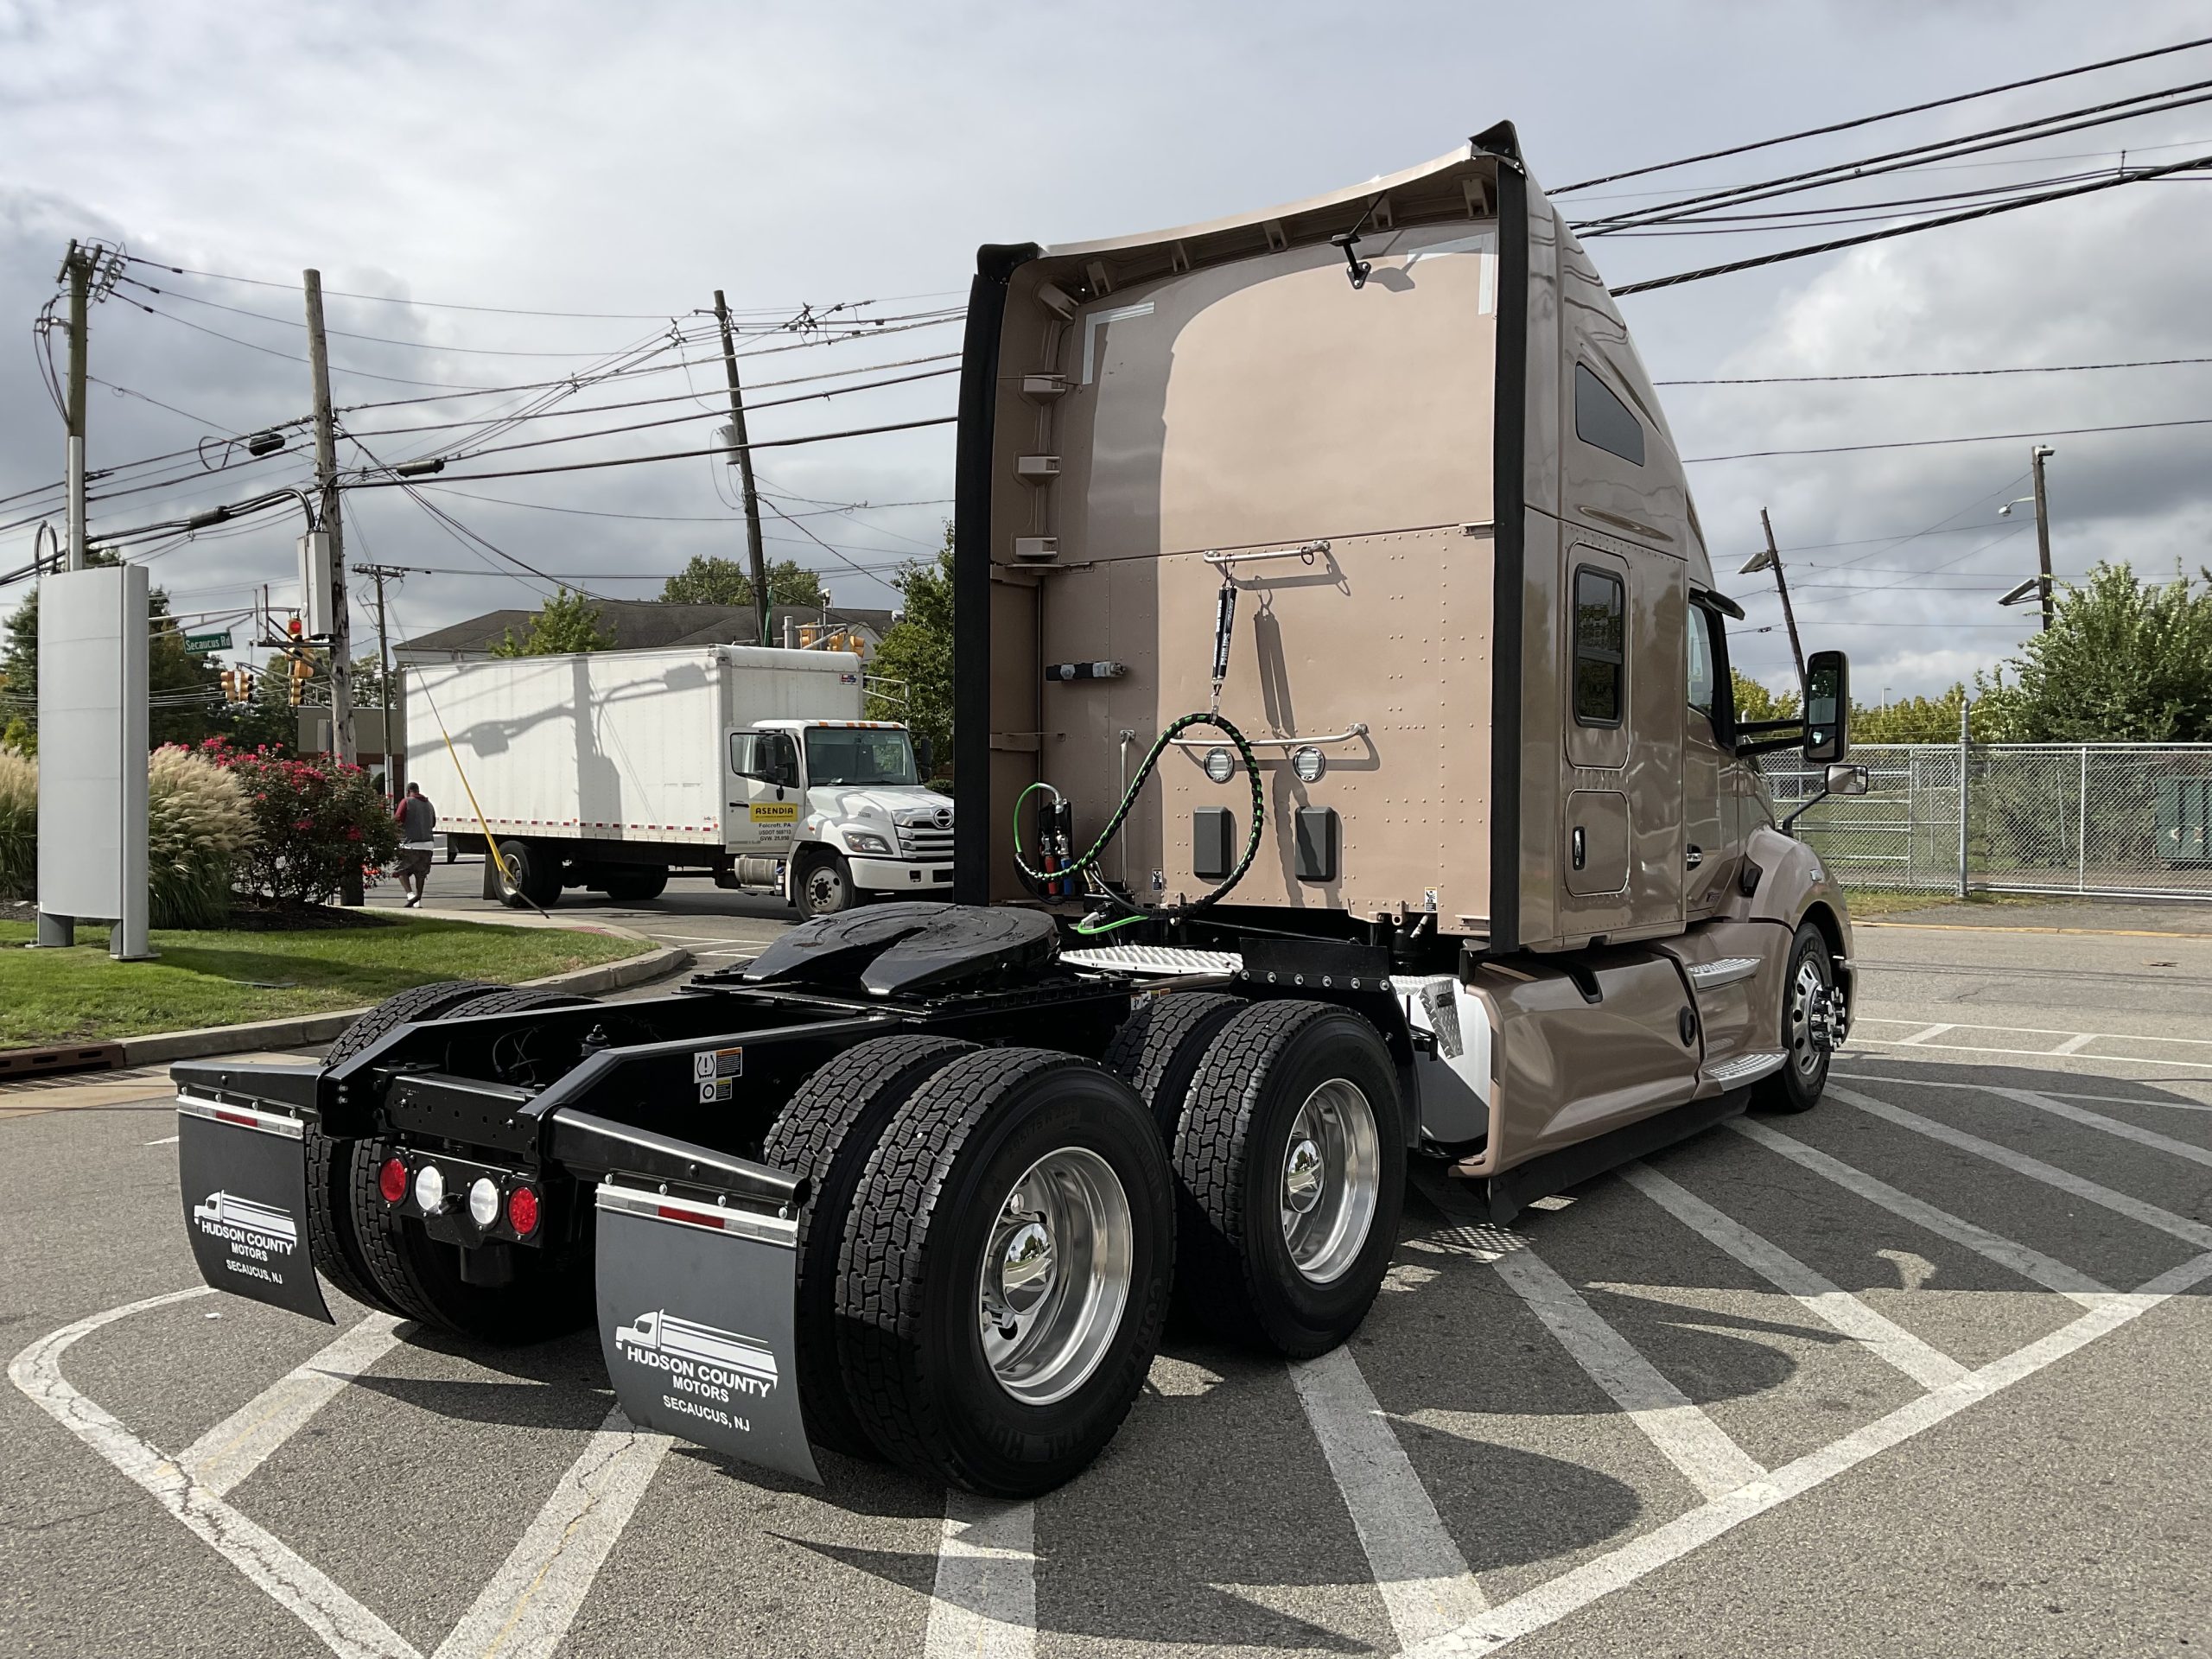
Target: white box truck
[{"x": 607, "y": 769}]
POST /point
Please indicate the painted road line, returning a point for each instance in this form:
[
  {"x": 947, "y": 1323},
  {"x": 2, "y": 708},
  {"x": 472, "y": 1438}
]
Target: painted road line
[
  {"x": 1573, "y": 1591},
  {"x": 166, "y": 1140},
  {"x": 1684, "y": 1436},
  {"x": 1887, "y": 1340},
  {"x": 532, "y": 1600},
  {"x": 2076, "y": 1045},
  {"x": 2194, "y": 1232},
  {"x": 343, "y": 1625},
  {"x": 2030, "y": 1264},
  {"x": 2049, "y": 1094},
  {"x": 984, "y": 1606},
  {"x": 235, "y": 1448},
  {"x": 1922, "y": 1036},
  {"x": 2057, "y": 1107},
  {"x": 1425, "y": 1584}
]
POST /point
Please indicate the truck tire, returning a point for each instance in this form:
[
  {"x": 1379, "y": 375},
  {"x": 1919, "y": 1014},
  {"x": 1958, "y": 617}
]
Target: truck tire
[
  {"x": 1291, "y": 1161},
  {"x": 1158, "y": 1048},
  {"x": 420, "y": 1278},
  {"x": 1797, "y": 1087},
  {"x": 527, "y": 876},
  {"x": 822, "y": 884},
  {"x": 636, "y": 885},
  {"x": 1029, "y": 1187},
  {"x": 332, "y": 1244},
  {"x": 825, "y": 1136}
]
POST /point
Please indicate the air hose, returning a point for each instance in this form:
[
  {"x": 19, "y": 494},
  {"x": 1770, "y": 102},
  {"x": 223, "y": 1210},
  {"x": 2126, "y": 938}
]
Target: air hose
[{"x": 1087, "y": 863}]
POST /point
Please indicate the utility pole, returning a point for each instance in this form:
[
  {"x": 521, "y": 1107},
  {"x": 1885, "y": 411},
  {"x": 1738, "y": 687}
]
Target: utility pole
[
  {"x": 745, "y": 468},
  {"x": 2036, "y": 456},
  {"x": 379, "y": 574},
  {"x": 333, "y": 527},
  {"x": 77, "y": 270},
  {"x": 1771, "y": 560}
]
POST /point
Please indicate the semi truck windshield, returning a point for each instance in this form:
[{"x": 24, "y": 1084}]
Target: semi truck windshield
[{"x": 858, "y": 755}]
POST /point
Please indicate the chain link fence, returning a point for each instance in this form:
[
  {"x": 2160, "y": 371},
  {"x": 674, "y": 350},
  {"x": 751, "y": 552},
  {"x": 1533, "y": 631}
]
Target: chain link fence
[{"x": 2121, "y": 820}]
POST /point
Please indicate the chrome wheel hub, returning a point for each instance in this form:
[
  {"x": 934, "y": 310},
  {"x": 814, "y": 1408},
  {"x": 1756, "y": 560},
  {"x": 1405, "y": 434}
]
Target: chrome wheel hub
[
  {"x": 1054, "y": 1279},
  {"x": 1805, "y": 1054},
  {"x": 1331, "y": 1180}
]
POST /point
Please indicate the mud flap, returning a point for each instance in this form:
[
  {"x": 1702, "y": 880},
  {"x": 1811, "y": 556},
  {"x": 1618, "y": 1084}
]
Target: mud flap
[
  {"x": 244, "y": 1176},
  {"x": 696, "y": 1309}
]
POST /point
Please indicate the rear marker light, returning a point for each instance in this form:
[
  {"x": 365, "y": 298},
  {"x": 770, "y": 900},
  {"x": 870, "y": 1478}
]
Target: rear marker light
[
  {"x": 429, "y": 1189},
  {"x": 522, "y": 1211},
  {"x": 392, "y": 1180},
  {"x": 483, "y": 1201}
]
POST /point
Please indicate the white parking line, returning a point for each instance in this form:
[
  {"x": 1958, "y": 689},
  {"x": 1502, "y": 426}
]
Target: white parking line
[
  {"x": 166, "y": 1140},
  {"x": 1886, "y": 1339},
  {"x": 344, "y": 1625},
  {"x": 1919, "y": 1037},
  {"x": 235, "y": 1448},
  {"x": 2057, "y": 1107},
  {"x": 1684, "y": 1435},
  {"x": 1576, "y": 1589},
  {"x": 2051, "y": 1094},
  {"x": 984, "y": 1606},
  {"x": 1425, "y": 1584},
  {"x": 532, "y": 1600},
  {"x": 2030, "y": 1264},
  {"x": 2195, "y": 1232}
]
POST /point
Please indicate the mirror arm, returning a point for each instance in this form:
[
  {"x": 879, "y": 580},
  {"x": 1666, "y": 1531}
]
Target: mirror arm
[
  {"x": 1769, "y": 745},
  {"x": 1796, "y": 723},
  {"x": 1806, "y": 806}
]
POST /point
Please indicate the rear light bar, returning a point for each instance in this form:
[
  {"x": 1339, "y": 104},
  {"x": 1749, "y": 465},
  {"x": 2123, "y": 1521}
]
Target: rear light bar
[{"x": 466, "y": 1202}]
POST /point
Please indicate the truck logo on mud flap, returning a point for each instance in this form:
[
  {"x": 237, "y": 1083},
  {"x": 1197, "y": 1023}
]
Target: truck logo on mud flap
[
  {"x": 240, "y": 1221},
  {"x": 713, "y": 1374}
]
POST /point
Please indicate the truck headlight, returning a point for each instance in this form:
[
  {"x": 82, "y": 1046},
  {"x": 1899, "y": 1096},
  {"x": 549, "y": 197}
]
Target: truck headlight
[{"x": 862, "y": 840}]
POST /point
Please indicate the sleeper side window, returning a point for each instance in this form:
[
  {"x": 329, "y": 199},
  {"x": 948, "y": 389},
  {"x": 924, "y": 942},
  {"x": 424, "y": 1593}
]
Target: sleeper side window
[
  {"x": 1600, "y": 640},
  {"x": 1700, "y": 656},
  {"x": 1602, "y": 420}
]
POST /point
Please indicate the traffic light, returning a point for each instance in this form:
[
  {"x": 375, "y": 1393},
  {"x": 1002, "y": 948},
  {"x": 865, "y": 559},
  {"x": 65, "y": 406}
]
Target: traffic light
[{"x": 303, "y": 671}]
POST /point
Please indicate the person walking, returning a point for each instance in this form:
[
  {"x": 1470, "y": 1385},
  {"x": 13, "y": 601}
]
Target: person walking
[{"x": 417, "y": 820}]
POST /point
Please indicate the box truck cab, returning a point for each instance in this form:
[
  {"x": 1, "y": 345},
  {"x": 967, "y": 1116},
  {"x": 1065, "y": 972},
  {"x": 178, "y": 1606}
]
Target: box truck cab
[{"x": 841, "y": 803}]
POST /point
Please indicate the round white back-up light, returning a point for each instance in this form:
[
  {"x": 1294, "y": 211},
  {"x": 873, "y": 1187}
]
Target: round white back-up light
[
  {"x": 1220, "y": 764},
  {"x": 429, "y": 1188},
  {"x": 483, "y": 1201},
  {"x": 1308, "y": 765}
]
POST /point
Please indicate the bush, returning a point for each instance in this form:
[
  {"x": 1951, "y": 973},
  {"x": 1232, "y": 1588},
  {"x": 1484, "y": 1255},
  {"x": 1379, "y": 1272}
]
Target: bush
[
  {"x": 18, "y": 825},
  {"x": 197, "y": 824},
  {"x": 316, "y": 823}
]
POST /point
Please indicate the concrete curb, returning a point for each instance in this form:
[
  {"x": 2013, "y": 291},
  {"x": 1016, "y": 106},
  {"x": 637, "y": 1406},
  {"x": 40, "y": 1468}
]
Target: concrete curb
[{"x": 304, "y": 1029}]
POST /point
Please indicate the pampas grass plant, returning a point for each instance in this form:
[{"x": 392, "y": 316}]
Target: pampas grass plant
[
  {"x": 198, "y": 820},
  {"x": 18, "y": 825}
]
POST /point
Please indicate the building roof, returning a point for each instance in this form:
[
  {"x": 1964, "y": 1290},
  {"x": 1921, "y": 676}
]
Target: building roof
[{"x": 646, "y": 624}]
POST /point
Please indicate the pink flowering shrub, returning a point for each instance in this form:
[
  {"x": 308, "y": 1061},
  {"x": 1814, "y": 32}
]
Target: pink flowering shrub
[{"x": 318, "y": 820}]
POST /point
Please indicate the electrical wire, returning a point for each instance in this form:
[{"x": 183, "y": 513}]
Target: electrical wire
[
  {"x": 1885, "y": 115},
  {"x": 1933, "y": 444},
  {"x": 1935, "y": 374}
]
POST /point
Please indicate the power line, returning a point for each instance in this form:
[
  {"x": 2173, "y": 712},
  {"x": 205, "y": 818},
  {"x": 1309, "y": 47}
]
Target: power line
[
  {"x": 1935, "y": 374},
  {"x": 1931, "y": 443},
  {"x": 2135, "y": 177},
  {"x": 1885, "y": 115}
]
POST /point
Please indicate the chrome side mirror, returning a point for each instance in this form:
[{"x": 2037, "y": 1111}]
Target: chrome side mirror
[{"x": 1846, "y": 780}]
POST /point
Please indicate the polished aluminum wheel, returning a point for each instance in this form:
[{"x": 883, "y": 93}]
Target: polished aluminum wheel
[
  {"x": 1805, "y": 1054},
  {"x": 1055, "y": 1275},
  {"x": 1331, "y": 1174}
]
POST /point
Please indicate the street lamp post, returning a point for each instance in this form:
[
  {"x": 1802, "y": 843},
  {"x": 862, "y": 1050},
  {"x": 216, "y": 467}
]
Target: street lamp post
[{"x": 2041, "y": 584}]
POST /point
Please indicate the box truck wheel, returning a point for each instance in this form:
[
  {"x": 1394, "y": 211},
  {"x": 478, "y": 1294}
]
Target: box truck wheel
[
  {"x": 547, "y": 1289},
  {"x": 1006, "y": 1268},
  {"x": 1158, "y": 1048},
  {"x": 822, "y": 883},
  {"x": 332, "y": 1244},
  {"x": 529, "y": 876},
  {"x": 825, "y": 1135},
  {"x": 1290, "y": 1159},
  {"x": 1804, "y": 1074},
  {"x": 635, "y": 883}
]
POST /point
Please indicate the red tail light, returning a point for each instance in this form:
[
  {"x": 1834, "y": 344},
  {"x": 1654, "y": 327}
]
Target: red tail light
[
  {"x": 522, "y": 1211},
  {"x": 392, "y": 1180}
]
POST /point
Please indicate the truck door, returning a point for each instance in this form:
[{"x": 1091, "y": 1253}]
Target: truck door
[
  {"x": 764, "y": 793},
  {"x": 1710, "y": 844}
]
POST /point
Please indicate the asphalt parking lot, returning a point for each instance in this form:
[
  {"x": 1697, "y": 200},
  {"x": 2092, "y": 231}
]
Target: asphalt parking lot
[{"x": 1920, "y": 1373}]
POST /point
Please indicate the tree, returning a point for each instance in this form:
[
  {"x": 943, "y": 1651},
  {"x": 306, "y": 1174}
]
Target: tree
[
  {"x": 723, "y": 582},
  {"x": 918, "y": 653},
  {"x": 566, "y": 622},
  {"x": 1755, "y": 701},
  {"x": 184, "y": 689},
  {"x": 2123, "y": 661}
]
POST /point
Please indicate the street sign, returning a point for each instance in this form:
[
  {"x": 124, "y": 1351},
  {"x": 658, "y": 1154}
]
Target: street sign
[{"x": 207, "y": 645}]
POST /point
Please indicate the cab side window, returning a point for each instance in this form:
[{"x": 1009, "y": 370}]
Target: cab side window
[
  {"x": 1600, "y": 641},
  {"x": 1701, "y": 658}
]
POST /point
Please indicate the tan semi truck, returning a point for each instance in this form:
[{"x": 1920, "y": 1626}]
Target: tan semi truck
[{"x": 1348, "y": 774}]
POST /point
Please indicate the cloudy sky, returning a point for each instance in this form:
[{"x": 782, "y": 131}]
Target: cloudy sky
[{"x": 624, "y": 162}]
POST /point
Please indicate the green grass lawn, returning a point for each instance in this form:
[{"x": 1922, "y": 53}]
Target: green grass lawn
[
  {"x": 218, "y": 978},
  {"x": 1871, "y": 903}
]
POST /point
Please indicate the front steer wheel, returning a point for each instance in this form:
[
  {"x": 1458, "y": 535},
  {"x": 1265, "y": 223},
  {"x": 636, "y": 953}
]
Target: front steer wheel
[
  {"x": 1804, "y": 1075},
  {"x": 1290, "y": 1159},
  {"x": 822, "y": 884},
  {"x": 1006, "y": 1269}
]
